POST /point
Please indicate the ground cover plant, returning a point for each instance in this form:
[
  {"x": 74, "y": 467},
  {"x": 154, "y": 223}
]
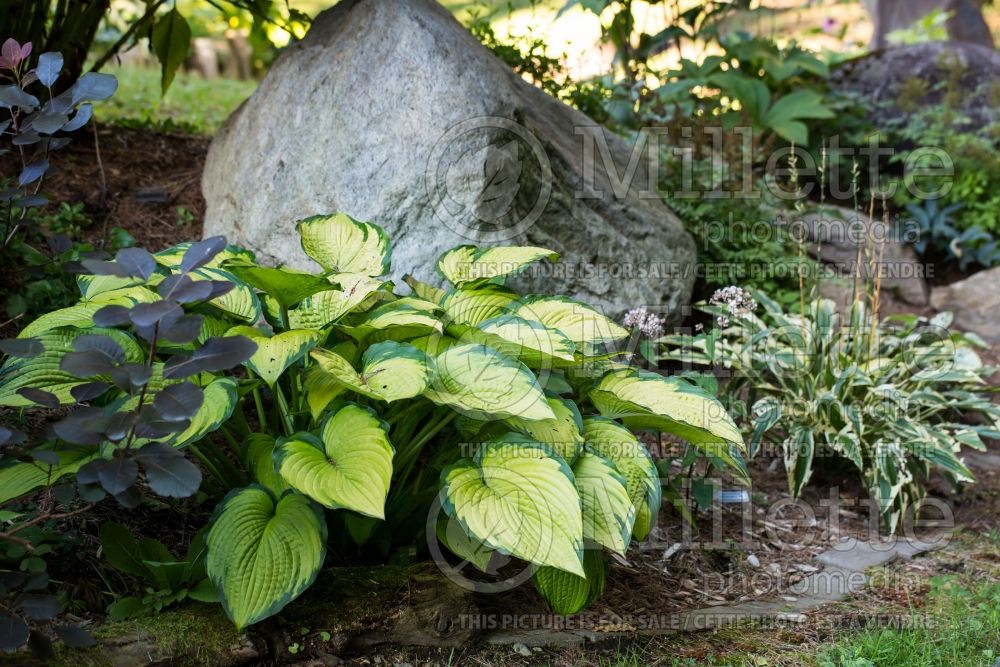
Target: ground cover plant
[{"x": 352, "y": 410}]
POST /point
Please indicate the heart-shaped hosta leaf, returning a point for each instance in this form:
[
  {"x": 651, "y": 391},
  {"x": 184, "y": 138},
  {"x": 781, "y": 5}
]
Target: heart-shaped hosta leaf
[
  {"x": 390, "y": 371},
  {"x": 17, "y": 479},
  {"x": 642, "y": 480},
  {"x": 452, "y": 535},
  {"x": 92, "y": 286},
  {"x": 608, "y": 513},
  {"x": 532, "y": 341},
  {"x": 577, "y": 321},
  {"x": 470, "y": 265},
  {"x": 173, "y": 256},
  {"x": 517, "y": 498},
  {"x": 221, "y": 397},
  {"x": 260, "y": 462},
  {"x": 348, "y": 467},
  {"x": 564, "y": 433},
  {"x": 262, "y": 554},
  {"x": 323, "y": 308},
  {"x": 43, "y": 371},
  {"x": 275, "y": 353},
  {"x": 485, "y": 384},
  {"x": 474, "y": 306},
  {"x": 650, "y": 401},
  {"x": 241, "y": 302},
  {"x": 341, "y": 244},
  {"x": 407, "y": 318},
  {"x": 567, "y": 593},
  {"x": 320, "y": 387},
  {"x": 81, "y": 315},
  {"x": 424, "y": 291},
  {"x": 286, "y": 286}
]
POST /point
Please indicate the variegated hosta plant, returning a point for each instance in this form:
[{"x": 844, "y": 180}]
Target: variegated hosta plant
[
  {"x": 896, "y": 400},
  {"x": 357, "y": 410}
]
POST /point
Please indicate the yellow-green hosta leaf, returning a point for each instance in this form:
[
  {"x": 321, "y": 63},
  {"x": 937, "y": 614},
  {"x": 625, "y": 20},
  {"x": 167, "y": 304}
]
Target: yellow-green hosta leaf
[
  {"x": 286, "y": 286},
  {"x": 320, "y": 387},
  {"x": 531, "y": 340},
  {"x": 172, "y": 257},
  {"x": 482, "y": 383},
  {"x": 348, "y": 467},
  {"x": 408, "y": 317},
  {"x": 422, "y": 290},
  {"x": 221, "y": 397},
  {"x": 18, "y": 479},
  {"x": 563, "y": 433},
  {"x": 567, "y": 593},
  {"x": 577, "y": 321},
  {"x": 241, "y": 302},
  {"x": 43, "y": 372},
  {"x": 470, "y": 265},
  {"x": 81, "y": 315},
  {"x": 341, "y": 244},
  {"x": 393, "y": 371},
  {"x": 92, "y": 286},
  {"x": 642, "y": 480},
  {"x": 275, "y": 353},
  {"x": 262, "y": 553},
  {"x": 324, "y": 308},
  {"x": 390, "y": 371},
  {"x": 518, "y": 499},
  {"x": 260, "y": 463},
  {"x": 608, "y": 513},
  {"x": 474, "y": 306},
  {"x": 407, "y": 311},
  {"x": 452, "y": 535},
  {"x": 650, "y": 401}
]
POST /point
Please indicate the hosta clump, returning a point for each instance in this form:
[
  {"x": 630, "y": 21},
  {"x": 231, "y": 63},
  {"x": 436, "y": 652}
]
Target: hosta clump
[
  {"x": 358, "y": 410},
  {"x": 896, "y": 399}
]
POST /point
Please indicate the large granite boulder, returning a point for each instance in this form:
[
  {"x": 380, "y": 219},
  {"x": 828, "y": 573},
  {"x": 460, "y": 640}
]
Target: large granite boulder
[
  {"x": 895, "y": 82},
  {"x": 391, "y": 112}
]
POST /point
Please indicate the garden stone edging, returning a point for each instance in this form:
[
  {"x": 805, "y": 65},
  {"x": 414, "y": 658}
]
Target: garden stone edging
[{"x": 842, "y": 575}]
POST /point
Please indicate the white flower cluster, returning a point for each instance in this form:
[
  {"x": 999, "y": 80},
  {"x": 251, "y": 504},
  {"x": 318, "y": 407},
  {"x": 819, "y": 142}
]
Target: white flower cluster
[
  {"x": 646, "y": 322},
  {"x": 738, "y": 301}
]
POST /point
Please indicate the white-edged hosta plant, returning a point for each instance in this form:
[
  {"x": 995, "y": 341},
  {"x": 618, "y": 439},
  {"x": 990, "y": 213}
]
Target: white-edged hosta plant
[
  {"x": 896, "y": 399},
  {"x": 353, "y": 411}
]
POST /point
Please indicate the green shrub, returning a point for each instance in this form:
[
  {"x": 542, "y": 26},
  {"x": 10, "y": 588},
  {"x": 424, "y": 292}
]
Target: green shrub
[
  {"x": 355, "y": 408},
  {"x": 892, "y": 398}
]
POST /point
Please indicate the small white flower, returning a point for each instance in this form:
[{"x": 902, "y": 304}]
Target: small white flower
[
  {"x": 646, "y": 322},
  {"x": 739, "y": 302}
]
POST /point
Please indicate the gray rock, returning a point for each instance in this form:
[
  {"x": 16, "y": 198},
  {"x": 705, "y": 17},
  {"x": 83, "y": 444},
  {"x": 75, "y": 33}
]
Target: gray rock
[
  {"x": 390, "y": 111},
  {"x": 834, "y": 235},
  {"x": 965, "y": 23},
  {"x": 897, "y": 81},
  {"x": 974, "y": 302}
]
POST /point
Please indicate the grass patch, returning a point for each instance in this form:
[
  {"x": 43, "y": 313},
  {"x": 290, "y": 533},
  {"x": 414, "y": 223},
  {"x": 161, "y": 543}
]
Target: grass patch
[
  {"x": 959, "y": 627},
  {"x": 192, "y": 104}
]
